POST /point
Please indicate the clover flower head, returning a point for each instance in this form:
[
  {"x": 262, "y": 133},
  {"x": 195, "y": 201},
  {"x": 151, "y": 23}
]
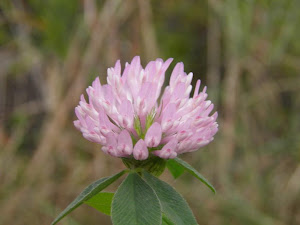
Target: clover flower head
[{"x": 129, "y": 117}]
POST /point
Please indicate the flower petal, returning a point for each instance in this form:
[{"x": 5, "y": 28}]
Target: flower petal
[
  {"x": 125, "y": 143},
  {"x": 153, "y": 135},
  {"x": 140, "y": 151},
  {"x": 168, "y": 151}
]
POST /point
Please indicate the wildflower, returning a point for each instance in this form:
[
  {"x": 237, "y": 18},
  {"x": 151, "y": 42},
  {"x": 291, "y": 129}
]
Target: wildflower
[{"x": 128, "y": 117}]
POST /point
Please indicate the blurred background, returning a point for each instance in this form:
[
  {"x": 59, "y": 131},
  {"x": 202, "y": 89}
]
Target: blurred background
[{"x": 246, "y": 51}]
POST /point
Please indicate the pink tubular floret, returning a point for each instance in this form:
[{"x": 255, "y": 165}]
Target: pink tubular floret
[{"x": 125, "y": 117}]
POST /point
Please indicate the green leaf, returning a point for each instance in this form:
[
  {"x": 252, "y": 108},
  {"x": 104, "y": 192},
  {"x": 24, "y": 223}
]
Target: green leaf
[
  {"x": 87, "y": 193},
  {"x": 173, "y": 204},
  {"x": 195, "y": 173},
  {"x": 135, "y": 203},
  {"x": 175, "y": 168},
  {"x": 102, "y": 202},
  {"x": 166, "y": 220}
]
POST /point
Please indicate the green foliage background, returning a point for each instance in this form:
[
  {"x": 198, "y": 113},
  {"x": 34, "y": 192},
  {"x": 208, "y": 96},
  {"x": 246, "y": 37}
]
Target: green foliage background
[{"x": 246, "y": 51}]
